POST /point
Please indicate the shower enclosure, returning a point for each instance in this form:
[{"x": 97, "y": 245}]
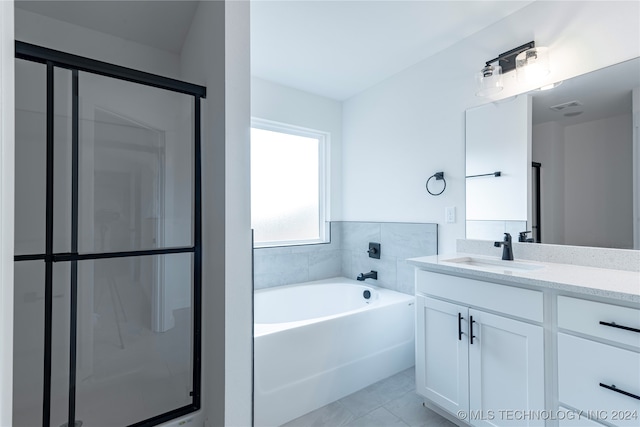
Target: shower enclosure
[{"x": 107, "y": 243}]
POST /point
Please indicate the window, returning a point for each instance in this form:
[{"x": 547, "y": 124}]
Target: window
[{"x": 287, "y": 184}]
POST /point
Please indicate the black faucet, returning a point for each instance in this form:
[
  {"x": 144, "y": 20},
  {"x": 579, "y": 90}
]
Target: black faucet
[
  {"x": 370, "y": 275},
  {"x": 507, "y": 250},
  {"x": 522, "y": 237}
]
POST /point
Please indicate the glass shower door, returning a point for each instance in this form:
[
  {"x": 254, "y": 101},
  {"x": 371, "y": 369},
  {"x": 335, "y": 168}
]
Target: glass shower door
[
  {"x": 135, "y": 194},
  {"x": 107, "y": 241}
]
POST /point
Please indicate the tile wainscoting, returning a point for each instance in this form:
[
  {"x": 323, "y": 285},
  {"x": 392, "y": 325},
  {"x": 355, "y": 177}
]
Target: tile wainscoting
[{"x": 346, "y": 255}]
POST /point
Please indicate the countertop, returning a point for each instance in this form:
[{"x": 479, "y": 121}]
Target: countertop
[{"x": 601, "y": 282}]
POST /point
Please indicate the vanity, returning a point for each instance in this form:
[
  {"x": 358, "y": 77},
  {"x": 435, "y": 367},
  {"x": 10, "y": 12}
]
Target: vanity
[{"x": 527, "y": 343}]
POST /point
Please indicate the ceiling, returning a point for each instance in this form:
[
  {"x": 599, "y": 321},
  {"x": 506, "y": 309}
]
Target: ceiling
[
  {"x": 340, "y": 48},
  {"x": 602, "y": 93},
  {"x": 332, "y": 48}
]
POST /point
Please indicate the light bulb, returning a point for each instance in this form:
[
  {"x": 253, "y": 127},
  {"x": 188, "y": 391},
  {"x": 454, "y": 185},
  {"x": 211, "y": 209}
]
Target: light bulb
[{"x": 532, "y": 65}]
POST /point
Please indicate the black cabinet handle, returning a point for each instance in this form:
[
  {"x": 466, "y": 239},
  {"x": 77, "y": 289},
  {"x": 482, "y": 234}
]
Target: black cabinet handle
[
  {"x": 460, "y": 326},
  {"x": 613, "y": 387},
  {"x": 614, "y": 325},
  {"x": 471, "y": 336}
]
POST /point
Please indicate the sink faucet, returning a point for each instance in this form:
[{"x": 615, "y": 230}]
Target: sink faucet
[
  {"x": 370, "y": 275},
  {"x": 522, "y": 237},
  {"x": 507, "y": 250}
]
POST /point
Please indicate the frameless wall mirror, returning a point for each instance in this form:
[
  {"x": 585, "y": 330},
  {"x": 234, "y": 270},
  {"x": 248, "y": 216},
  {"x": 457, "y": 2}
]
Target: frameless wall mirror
[{"x": 569, "y": 162}]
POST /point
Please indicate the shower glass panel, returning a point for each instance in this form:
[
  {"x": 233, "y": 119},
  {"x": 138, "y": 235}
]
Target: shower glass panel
[
  {"x": 28, "y": 342},
  {"x": 107, "y": 244},
  {"x": 136, "y": 168},
  {"x": 121, "y": 359},
  {"x": 30, "y": 157},
  {"x": 60, "y": 344}
]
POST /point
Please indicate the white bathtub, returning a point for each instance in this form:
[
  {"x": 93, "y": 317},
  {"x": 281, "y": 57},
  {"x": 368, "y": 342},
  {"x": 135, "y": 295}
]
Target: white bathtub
[{"x": 317, "y": 342}]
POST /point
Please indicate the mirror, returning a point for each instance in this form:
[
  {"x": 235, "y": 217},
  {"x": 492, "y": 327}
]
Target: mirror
[{"x": 578, "y": 155}]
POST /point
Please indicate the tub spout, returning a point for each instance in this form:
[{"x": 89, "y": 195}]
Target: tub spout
[{"x": 370, "y": 275}]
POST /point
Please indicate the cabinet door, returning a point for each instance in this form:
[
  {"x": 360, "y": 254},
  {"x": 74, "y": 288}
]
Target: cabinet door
[
  {"x": 442, "y": 353},
  {"x": 506, "y": 371}
]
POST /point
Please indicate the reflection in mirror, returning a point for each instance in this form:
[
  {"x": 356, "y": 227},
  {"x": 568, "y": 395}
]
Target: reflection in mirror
[{"x": 584, "y": 138}]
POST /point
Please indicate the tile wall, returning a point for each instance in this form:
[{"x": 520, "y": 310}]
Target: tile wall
[
  {"x": 284, "y": 265},
  {"x": 347, "y": 255}
]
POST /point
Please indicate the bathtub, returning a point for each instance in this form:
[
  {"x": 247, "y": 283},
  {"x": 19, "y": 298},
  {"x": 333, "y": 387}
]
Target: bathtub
[{"x": 317, "y": 342}]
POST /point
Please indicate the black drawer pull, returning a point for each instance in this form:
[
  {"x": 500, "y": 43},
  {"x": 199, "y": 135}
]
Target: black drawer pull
[
  {"x": 614, "y": 325},
  {"x": 613, "y": 387},
  {"x": 460, "y": 326}
]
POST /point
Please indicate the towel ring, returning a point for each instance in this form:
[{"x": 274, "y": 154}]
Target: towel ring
[{"x": 439, "y": 176}]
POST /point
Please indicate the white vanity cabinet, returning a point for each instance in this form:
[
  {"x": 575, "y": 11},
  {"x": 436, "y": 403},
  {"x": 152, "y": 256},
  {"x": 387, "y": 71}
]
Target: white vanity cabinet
[
  {"x": 442, "y": 353},
  {"x": 599, "y": 360},
  {"x": 480, "y": 349}
]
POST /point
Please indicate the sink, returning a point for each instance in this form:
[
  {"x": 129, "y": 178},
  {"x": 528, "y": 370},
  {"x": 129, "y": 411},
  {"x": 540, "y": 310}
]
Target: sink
[{"x": 495, "y": 264}]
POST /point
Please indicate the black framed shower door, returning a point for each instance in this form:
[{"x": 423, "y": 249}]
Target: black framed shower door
[{"x": 108, "y": 247}]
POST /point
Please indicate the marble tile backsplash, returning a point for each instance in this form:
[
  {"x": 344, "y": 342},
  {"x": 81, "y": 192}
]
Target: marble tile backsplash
[
  {"x": 347, "y": 255},
  {"x": 615, "y": 259}
]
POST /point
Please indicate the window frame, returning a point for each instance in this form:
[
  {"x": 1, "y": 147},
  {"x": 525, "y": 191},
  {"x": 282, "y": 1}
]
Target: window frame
[{"x": 324, "y": 144}]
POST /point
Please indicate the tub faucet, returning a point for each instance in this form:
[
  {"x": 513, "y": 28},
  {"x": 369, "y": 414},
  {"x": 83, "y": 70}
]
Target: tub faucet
[
  {"x": 370, "y": 275},
  {"x": 507, "y": 250}
]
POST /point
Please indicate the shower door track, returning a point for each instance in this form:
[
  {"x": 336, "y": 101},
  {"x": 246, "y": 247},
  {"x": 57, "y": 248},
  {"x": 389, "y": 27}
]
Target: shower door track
[{"x": 53, "y": 58}]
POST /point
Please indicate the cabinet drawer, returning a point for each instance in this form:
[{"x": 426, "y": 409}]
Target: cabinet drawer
[
  {"x": 584, "y": 316},
  {"x": 584, "y": 364},
  {"x": 569, "y": 418},
  {"x": 518, "y": 302}
]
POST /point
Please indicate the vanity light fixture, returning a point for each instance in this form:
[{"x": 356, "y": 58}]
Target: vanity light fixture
[
  {"x": 489, "y": 80},
  {"x": 530, "y": 62}
]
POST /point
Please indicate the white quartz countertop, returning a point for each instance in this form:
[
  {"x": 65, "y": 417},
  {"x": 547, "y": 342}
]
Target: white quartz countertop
[{"x": 602, "y": 282}]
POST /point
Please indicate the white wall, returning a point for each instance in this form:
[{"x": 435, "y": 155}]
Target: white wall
[
  {"x": 414, "y": 120},
  {"x": 6, "y": 209},
  {"x": 279, "y": 103},
  {"x": 594, "y": 214},
  {"x": 216, "y": 53},
  {"x": 581, "y": 163},
  {"x": 47, "y": 32}
]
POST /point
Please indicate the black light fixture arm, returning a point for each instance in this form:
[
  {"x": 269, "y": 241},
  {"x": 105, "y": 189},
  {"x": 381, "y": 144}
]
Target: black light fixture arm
[{"x": 507, "y": 59}]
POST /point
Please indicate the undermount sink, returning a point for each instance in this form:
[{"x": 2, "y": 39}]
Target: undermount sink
[{"x": 496, "y": 264}]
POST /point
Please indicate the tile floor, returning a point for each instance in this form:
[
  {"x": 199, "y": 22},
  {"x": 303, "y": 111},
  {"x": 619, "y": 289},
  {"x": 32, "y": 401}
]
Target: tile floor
[{"x": 388, "y": 403}]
